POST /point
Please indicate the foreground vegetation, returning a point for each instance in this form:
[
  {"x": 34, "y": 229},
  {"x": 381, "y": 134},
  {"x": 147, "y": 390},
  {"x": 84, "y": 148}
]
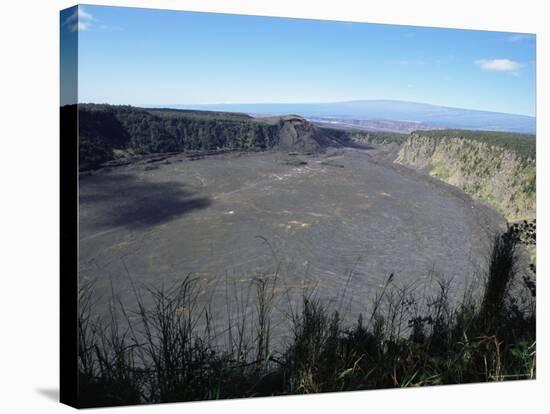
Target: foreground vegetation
[{"x": 169, "y": 352}]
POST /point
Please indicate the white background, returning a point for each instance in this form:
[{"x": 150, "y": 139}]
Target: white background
[{"x": 29, "y": 230}]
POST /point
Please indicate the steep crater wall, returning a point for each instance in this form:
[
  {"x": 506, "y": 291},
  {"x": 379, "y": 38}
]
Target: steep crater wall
[
  {"x": 107, "y": 132},
  {"x": 503, "y": 177}
]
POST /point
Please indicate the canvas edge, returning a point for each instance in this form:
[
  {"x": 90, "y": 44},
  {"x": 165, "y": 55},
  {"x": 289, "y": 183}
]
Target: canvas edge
[{"x": 68, "y": 181}]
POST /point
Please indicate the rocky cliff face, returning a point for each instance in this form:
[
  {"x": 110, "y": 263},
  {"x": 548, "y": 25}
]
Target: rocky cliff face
[
  {"x": 495, "y": 174},
  {"x": 294, "y": 133},
  {"x": 109, "y": 131},
  {"x": 297, "y": 134}
]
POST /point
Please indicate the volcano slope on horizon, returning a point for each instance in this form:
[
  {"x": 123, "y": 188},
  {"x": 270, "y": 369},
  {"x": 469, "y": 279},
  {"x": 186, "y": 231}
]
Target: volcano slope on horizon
[
  {"x": 339, "y": 223},
  {"x": 435, "y": 116}
]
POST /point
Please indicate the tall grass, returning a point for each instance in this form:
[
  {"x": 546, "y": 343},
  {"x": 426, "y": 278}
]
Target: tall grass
[{"x": 169, "y": 352}]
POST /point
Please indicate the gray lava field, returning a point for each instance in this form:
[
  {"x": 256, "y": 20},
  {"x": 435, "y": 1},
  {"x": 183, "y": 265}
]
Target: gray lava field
[{"x": 337, "y": 224}]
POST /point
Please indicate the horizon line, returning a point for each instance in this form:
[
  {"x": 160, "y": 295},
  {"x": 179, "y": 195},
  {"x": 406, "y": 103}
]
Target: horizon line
[
  {"x": 337, "y": 102},
  {"x": 168, "y": 105}
]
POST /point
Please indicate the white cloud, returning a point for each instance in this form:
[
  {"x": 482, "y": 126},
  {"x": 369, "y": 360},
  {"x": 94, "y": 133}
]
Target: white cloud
[
  {"x": 80, "y": 20},
  {"x": 82, "y": 26},
  {"x": 519, "y": 37},
  {"x": 499, "y": 65},
  {"x": 80, "y": 14}
]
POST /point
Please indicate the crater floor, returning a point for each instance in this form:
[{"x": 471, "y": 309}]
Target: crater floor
[{"x": 340, "y": 224}]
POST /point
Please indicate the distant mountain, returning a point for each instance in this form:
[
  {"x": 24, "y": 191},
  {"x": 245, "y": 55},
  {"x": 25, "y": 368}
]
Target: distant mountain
[{"x": 388, "y": 110}]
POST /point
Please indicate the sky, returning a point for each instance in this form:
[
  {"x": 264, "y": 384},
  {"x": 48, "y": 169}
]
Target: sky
[{"x": 158, "y": 57}]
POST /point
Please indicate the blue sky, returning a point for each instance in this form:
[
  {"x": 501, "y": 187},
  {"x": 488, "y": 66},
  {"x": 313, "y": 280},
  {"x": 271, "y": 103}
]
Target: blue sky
[{"x": 146, "y": 56}]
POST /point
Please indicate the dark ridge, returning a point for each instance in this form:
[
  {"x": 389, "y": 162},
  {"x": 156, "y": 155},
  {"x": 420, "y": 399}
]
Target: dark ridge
[{"x": 110, "y": 132}]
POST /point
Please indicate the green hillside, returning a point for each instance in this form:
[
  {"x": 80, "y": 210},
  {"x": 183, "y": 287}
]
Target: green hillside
[
  {"x": 108, "y": 131},
  {"x": 522, "y": 144},
  {"x": 493, "y": 166}
]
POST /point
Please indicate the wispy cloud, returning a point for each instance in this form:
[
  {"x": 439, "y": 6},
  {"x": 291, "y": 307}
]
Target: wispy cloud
[
  {"x": 405, "y": 62},
  {"x": 520, "y": 37},
  {"x": 80, "y": 20},
  {"x": 80, "y": 14},
  {"x": 500, "y": 65},
  {"x": 106, "y": 28},
  {"x": 82, "y": 26}
]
